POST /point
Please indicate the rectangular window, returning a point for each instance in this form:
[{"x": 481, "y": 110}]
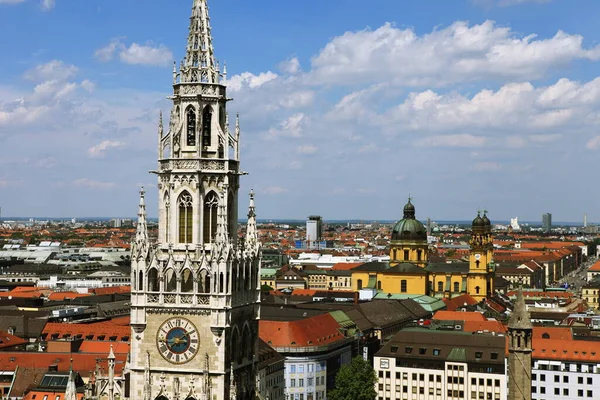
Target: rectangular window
[
  {"x": 436, "y": 352},
  {"x": 300, "y": 382},
  {"x": 403, "y": 286},
  {"x": 580, "y": 393}
]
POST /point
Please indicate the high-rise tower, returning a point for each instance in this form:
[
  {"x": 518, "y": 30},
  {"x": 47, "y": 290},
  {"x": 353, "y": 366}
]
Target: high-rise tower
[
  {"x": 195, "y": 293},
  {"x": 520, "y": 334}
]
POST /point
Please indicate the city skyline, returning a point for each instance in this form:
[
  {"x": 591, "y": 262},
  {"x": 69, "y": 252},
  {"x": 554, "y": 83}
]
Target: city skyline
[{"x": 352, "y": 111}]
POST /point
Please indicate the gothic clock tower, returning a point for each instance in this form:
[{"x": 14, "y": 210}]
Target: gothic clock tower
[{"x": 195, "y": 293}]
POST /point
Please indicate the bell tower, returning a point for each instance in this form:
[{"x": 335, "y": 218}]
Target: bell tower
[
  {"x": 195, "y": 292},
  {"x": 480, "y": 280},
  {"x": 520, "y": 334}
]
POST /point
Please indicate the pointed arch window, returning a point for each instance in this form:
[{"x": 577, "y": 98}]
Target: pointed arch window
[
  {"x": 206, "y": 125},
  {"x": 191, "y": 126},
  {"x": 185, "y": 217},
  {"x": 210, "y": 217}
]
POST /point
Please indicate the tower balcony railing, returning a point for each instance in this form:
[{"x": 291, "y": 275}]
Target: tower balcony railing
[
  {"x": 210, "y": 165},
  {"x": 168, "y": 299}
]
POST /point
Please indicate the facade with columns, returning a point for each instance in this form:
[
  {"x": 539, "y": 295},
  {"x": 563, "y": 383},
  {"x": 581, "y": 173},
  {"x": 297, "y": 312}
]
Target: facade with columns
[{"x": 195, "y": 293}]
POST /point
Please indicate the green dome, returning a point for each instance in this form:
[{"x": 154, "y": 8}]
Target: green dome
[
  {"x": 486, "y": 220},
  {"x": 409, "y": 228},
  {"x": 478, "y": 222}
]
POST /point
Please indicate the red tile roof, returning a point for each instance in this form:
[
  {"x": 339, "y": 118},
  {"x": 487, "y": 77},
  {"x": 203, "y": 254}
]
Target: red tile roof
[
  {"x": 484, "y": 326},
  {"x": 111, "y": 290},
  {"x": 459, "y": 301},
  {"x": 7, "y": 340},
  {"x": 315, "y": 331},
  {"x": 568, "y": 350},
  {"x": 60, "y": 296},
  {"x": 83, "y": 363},
  {"x": 344, "y": 266},
  {"x": 98, "y": 331},
  {"x": 97, "y": 347},
  {"x": 444, "y": 315},
  {"x": 595, "y": 267},
  {"x": 39, "y": 395}
]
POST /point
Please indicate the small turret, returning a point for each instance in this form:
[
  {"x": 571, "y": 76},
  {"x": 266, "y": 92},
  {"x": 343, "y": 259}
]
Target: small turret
[
  {"x": 251, "y": 240},
  {"x": 141, "y": 234}
]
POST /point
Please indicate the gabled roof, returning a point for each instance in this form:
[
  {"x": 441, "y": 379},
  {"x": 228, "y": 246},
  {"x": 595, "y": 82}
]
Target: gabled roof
[
  {"x": 459, "y": 301},
  {"x": 372, "y": 266},
  {"x": 319, "y": 330},
  {"x": 7, "y": 340},
  {"x": 444, "y": 315}
]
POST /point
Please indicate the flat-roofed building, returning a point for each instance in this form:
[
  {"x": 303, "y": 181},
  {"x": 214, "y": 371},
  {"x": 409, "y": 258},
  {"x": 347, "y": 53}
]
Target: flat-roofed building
[{"x": 431, "y": 364}]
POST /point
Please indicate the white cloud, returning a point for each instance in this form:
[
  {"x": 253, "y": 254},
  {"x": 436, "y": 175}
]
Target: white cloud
[
  {"x": 54, "y": 70},
  {"x": 460, "y": 140},
  {"x": 486, "y": 166},
  {"x": 92, "y": 184},
  {"x": 108, "y": 52},
  {"x": 48, "y": 4},
  {"x": 292, "y": 126},
  {"x": 273, "y": 190},
  {"x": 138, "y": 54},
  {"x": 457, "y": 53},
  {"x": 248, "y": 79},
  {"x": 290, "y": 66},
  {"x": 100, "y": 149},
  {"x": 307, "y": 149},
  {"x": 593, "y": 143}
]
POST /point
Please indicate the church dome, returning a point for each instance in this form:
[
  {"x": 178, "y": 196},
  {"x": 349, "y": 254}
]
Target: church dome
[
  {"x": 409, "y": 228},
  {"x": 486, "y": 220},
  {"x": 478, "y": 222}
]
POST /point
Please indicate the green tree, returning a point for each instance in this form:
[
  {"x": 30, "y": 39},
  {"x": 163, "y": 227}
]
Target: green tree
[{"x": 355, "y": 381}]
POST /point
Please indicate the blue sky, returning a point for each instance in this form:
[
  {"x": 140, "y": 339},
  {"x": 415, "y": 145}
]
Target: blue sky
[{"x": 346, "y": 107}]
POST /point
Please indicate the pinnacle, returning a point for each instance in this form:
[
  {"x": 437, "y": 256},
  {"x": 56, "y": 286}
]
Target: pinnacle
[{"x": 520, "y": 318}]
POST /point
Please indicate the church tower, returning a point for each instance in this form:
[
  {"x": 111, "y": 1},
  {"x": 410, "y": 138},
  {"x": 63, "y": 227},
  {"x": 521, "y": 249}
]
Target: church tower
[
  {"x": 520, "y": 333},
  {"x": 195, "y": 292},
  {"x": 480, "y": 280}
]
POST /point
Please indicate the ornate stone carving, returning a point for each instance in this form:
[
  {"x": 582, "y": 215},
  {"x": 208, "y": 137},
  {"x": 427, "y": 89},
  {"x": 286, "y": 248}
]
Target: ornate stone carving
[
  {"x": 170, "y": 298},
  {"x": 187, "y": 299},
  {"x": 213, "y": 165},
  {"x": 203, "y": 300}
]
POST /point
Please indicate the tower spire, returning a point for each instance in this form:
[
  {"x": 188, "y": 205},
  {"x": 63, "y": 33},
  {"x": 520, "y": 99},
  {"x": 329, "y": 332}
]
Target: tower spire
[
  {"x": 251, "y": 241},
  {"x": 141, "y": 235},
  {"x": 71, "y": 389},
  {"x": 519, "y": 318},
  {"x": 199, "y": 65}
]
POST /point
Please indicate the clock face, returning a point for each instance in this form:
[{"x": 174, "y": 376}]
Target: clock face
[
  {"x": 177, "y": 340},
  {"x": 477, "y": 256}
]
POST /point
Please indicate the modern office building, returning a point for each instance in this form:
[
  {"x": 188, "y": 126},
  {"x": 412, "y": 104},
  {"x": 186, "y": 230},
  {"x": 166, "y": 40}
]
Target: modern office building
[
  {"x": 547, "y": 222},
  {"x": 314, "y": 231}
]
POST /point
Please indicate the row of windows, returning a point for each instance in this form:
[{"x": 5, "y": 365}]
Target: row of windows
[
  {"x": 319, "y": 380},
  {"x": 309, "y": 396},
  {"x": 309, "y": 368},
  {"x": 565, "y": 391},
  {"x": 438, "y": 378}
]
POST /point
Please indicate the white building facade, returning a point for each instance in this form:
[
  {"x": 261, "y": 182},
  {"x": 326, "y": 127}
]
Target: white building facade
[{"x": 418, "y": 364}]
